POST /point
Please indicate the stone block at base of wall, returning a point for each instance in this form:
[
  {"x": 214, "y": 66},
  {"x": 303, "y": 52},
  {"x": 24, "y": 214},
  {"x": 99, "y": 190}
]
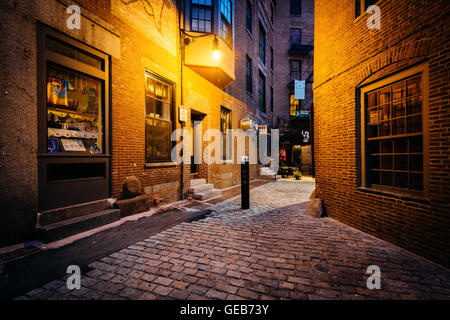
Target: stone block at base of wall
[{"x": 134, "y": 205}]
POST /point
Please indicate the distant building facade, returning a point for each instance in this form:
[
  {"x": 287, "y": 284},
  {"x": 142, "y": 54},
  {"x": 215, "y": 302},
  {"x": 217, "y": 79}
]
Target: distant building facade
[{"x": 293, "y": 55}]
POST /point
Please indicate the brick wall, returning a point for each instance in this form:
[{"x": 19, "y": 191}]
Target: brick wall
[{"x": 347, "y": 55}]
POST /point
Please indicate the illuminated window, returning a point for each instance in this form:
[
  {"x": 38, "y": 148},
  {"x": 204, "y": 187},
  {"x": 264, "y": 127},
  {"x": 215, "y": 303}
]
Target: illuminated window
[
  {"x": 225, "y": 124},
  {"x": 158, "y": 119},
  {"x": 294, "y": 106}
]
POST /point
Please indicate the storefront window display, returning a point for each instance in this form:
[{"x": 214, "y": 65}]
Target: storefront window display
[
  {"x": 74, "y": 113},
  {"x": 158, "y": 120}
]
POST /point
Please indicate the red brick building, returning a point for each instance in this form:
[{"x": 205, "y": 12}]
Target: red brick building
[
  {"x": 381, "y": 120},
  {"x": 84, "y": 107}
]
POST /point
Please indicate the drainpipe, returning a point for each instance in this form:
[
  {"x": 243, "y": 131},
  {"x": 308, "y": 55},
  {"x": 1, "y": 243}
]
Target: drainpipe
[{"x": 180, "y": 10}]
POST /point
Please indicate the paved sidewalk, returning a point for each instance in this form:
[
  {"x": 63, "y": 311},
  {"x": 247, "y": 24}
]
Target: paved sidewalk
[{"x": 272, "y": 251}]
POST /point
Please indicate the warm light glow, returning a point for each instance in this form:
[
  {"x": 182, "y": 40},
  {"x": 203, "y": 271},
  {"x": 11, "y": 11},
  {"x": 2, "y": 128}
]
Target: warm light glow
[
  {"x": 216, "y": 54},
  {"x": 216, "y": 51}
]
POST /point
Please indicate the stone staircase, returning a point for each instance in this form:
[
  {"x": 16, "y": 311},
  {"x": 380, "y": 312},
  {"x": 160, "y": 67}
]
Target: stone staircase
[
  {"x": 266, "y": 173},
  {"x": 65, "y": 222},
  {"x": 200, "y": 190}
]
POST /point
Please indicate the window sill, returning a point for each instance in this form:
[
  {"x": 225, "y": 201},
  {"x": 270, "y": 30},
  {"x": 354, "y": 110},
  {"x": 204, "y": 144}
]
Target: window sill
[
  {"x": 160, "y": 164},
  {"x": 395, "y": 194}
]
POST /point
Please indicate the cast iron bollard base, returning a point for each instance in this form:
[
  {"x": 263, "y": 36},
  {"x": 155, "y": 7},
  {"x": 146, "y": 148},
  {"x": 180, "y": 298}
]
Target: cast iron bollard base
[{"x": 245, "y": 184}]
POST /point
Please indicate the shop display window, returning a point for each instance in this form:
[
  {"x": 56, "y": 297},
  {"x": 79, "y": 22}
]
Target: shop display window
[
  {"x": 74, "y": 112},
  {"x": 158, "y": 127}
]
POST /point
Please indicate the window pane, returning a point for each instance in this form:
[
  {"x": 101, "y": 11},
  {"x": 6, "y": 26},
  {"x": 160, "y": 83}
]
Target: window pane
[
  {"x": 414, "y": 124},
  {"x": 416, "y": 181},
  {"x": 386, "y": 162},
  {"x": 387, "y": 178},
  {"x": 385, "y": 112},
  {"x": 401, "y": 162},
  {"x": 401, "y": 145},
  {"x": 74, "y": 112},
  {"x": 372, "y": 99},
  {"x": 413, "y": 86},
  {"x": 415, "y": 163},
  {"x": 415, "y": 144},
  {"x": 384, "y": 95},
  {"x": 296, "y": 7},
  {"x": 401, "y": 180},
  {"x": 398, "y": 109},
  {"x": 398, "y": 91},
  {"x": 68, "y": 51},
  {"x": 414, "y": 105},
  {"x": 374, "y": 177},
  {"x": 385, "y": 128},
  {"x": 375, "y": 162},
  {"x": 158, "y": 106},
  {"x": 399, "y": 126},
  {"x": 386, "y": 146}
]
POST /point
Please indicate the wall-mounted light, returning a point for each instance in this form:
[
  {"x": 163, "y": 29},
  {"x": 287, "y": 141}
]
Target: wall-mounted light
[{"x": 216, "y": 51}]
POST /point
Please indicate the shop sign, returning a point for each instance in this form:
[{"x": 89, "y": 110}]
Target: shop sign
[{"x": 299, "y": 92}]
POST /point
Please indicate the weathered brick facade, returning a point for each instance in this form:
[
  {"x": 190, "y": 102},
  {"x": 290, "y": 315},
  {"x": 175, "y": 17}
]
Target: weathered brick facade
[
  {"x": 138, "y": 36},
  {"x": 348, "y": 56}
]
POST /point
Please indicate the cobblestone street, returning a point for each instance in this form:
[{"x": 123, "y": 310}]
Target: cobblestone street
[{"x": 272, "y": 251}]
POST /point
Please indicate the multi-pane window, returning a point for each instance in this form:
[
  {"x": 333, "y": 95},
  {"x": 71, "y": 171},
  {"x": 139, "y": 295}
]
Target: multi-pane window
[
  {"x": 262, "y": 92},
  {"x": 158, "y": 119},
  {"x": 296, "y": 7},
  {"x": 394, "y": 135},
  {"x": 262, "y": 43},
  {"x": 295, "y": 70},
  {"x": 294, "y": 105},
  {"x": 271, "y": 99},
  {"x": 249, "y": 16},
  {"x": 271, "y": 58},
  {"x": 226, "y": 23},
  {"x": 225, "y": 124},
  {"x": 249, "y": 77},
  {"x": 201, "y": 15},
  {"x": 295, "y": 39}
]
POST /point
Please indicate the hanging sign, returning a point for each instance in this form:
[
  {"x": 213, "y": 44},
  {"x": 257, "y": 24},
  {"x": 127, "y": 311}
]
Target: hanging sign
[{"x": 299, "y": 89}]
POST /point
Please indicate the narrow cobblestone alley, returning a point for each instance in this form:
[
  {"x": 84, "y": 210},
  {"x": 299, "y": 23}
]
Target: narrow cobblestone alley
[{"x": 272, "y": 251}]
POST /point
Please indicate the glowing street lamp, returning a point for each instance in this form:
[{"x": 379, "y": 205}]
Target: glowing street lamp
[{"x": 216, "y": 51}]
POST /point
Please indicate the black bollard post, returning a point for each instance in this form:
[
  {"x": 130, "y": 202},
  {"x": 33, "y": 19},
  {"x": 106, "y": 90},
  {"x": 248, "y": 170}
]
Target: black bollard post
[{"x": 245, "y": 183}]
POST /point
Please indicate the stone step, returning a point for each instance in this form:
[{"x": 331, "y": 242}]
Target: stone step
[
  {"x": 208, "y": 194},
  {"x": 197, "y": 182},
  {"x": 66, "y": 213},
  {"x": 266, "y": 171},
  {"x": 272, "y": 176},
  {"x": 67, "y": 228},
  {"x": 201, "y": 188}
]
